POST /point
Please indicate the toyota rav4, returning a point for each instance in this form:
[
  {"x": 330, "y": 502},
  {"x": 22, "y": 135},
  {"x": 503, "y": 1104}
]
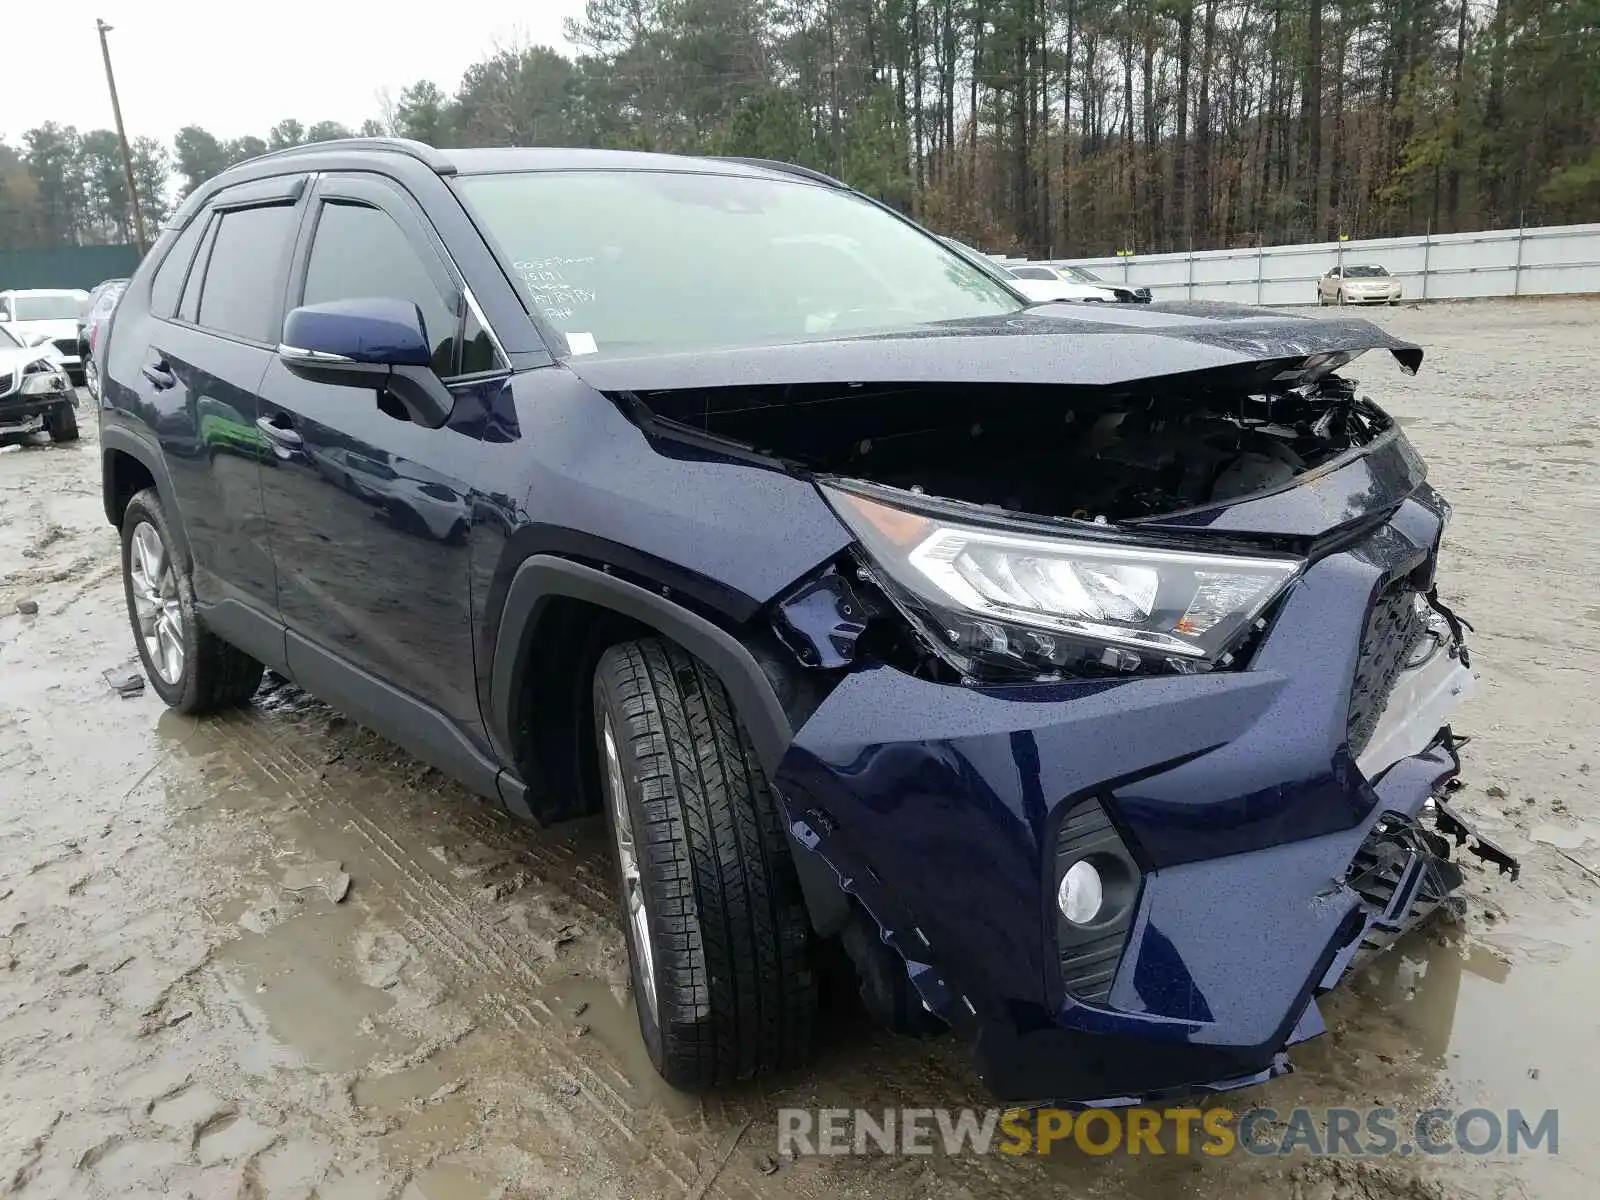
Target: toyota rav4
[{"x": 1079, "y": 668}]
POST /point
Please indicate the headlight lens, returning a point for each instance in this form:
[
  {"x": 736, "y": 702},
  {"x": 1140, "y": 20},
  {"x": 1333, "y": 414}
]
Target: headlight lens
[
  {"x": 42, "y": 383},
  {"x": 1010, "y": 598}
]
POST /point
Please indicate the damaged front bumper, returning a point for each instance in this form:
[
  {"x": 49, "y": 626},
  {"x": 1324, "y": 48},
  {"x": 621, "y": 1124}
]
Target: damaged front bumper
[{"x": 1255, "y": 832}]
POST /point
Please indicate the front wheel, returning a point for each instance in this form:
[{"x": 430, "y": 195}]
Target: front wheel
[
  {"x": 61, "y": 423},
  {"x": 192, "y": 669},
  {"x": 717, "y": 931}
]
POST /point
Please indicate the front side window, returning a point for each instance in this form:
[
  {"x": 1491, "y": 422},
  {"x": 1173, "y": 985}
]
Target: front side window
[
  {"x": 243, "y": 289},
  {"x": 657, "y": 261},
  {"x": 360, "y": 253}
]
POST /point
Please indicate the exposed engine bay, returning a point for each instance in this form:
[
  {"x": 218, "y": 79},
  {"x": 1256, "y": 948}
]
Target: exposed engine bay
[{"x": 1086, "y": 452}]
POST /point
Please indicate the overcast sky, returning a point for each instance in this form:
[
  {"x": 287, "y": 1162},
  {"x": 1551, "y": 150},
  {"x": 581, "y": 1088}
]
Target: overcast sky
[{"x": 196, "y": 62}]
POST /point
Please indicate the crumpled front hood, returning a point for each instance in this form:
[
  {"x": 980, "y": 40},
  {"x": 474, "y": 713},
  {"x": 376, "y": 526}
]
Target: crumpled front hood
[
  {"x": 1077, "y": 344},
  {"x": 13, "y": 360}
]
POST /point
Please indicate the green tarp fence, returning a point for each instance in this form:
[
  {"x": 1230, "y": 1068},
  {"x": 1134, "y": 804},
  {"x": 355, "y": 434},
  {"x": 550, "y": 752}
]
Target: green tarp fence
[{"x": 65, "y": 266}]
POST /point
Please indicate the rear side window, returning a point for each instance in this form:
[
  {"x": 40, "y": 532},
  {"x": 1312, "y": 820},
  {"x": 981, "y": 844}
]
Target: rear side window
[
  {"x": 243, "y": 291},
  {"x": 360, "y": 253},
  {"x": 164, "y": 288},
  {"x": 189, "y": 306}
]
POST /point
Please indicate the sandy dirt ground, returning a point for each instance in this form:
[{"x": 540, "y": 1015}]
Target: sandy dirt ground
[{"x": 270, "y": 955}]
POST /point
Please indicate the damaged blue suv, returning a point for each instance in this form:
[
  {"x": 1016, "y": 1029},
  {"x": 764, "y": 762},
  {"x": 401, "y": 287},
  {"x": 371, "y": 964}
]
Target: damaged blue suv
[{"x": 1078, "y": 668}]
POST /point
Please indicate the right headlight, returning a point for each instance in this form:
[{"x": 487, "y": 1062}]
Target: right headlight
[{"x": 1038, "y": 603}]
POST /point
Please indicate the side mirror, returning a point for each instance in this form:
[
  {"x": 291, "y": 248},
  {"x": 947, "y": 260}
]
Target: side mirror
[{"x": 379, "y": 344}]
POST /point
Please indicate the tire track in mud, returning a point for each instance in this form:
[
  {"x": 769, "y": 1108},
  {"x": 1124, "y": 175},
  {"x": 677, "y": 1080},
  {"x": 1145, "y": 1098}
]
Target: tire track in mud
[{"x": 495, "y": 975}]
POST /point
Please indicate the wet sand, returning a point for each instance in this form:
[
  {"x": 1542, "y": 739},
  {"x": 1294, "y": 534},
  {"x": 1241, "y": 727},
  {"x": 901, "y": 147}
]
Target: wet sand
[{"x": 193, "y": 1001}]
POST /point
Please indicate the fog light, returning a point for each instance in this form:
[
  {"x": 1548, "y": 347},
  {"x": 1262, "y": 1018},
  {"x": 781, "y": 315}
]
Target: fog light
[{"x": 1081, "y": 894}]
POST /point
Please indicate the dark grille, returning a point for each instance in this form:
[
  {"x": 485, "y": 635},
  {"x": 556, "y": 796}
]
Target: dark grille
[
  {"x": 1393, "y": 627},
  {"x": 7, "y": 382}
]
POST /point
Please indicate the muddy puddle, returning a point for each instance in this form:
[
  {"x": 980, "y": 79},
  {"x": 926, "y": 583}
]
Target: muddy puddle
[{"x": 269, "y": 954}]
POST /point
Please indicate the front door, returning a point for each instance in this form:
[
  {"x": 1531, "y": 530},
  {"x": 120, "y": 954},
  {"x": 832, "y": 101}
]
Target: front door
[{"x": 369, "y": 514}]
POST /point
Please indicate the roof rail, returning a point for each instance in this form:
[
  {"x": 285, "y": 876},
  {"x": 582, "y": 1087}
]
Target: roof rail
[
  {"x": 433, "y": 159},
  {"x": 773, "y": 164}
]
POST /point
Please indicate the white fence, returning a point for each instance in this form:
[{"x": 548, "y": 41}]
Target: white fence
[{"x": 1550, "y": 261}]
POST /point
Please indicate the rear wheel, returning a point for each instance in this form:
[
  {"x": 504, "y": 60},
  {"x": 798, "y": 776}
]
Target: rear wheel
[
  {"x": 717, "y": 931},
  {"x": 192, "y": 669},
  {"x": 61, "y": 423}
]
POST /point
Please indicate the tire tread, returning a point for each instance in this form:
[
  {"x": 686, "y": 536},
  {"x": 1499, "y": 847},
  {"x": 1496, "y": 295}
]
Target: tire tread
[{"x": 737, "y": 993}]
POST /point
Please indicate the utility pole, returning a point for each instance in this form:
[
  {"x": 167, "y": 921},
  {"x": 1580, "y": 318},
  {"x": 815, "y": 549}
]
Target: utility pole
[{"x": 122, "y": 140}]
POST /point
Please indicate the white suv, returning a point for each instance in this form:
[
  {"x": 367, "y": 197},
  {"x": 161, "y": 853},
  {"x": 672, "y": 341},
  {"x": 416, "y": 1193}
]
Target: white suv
[{"x": 41, "y": 315}]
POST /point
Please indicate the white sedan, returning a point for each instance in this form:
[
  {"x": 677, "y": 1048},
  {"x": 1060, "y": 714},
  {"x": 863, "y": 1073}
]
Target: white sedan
[{"x": 1365, "y": 284}]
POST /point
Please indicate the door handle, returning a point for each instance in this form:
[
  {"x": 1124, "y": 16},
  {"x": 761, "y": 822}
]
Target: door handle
[
  {"x": 160, "y": 375},
  {"x": 284, "y": 435}
]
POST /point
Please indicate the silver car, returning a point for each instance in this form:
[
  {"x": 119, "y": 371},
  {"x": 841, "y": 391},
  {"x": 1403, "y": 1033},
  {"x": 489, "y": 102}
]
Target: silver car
[{"x": 1361, "y": 284}]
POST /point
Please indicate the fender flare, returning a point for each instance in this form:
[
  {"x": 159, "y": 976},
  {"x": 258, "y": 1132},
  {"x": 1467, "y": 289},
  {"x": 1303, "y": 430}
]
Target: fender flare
[
  {"x": 123, "y": 440},
  {"x": 546, "y": 577},
  {"x": 543, "y": 578}
]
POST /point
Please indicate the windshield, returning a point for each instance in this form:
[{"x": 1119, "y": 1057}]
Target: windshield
[
  {"x": 1083, "y": 274},
  {"x": 55, "y": 306},
  {"x": 1033, "y": 273},
  {"x": 657, "y": 261},
  {"x": 1354, "y": 272}
]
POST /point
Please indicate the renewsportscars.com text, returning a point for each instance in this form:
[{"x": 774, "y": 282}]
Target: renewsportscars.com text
[{"x": 1341, "y": 1132}]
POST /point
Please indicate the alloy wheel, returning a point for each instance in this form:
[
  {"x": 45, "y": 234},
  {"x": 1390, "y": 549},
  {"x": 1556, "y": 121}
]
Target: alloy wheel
[
  {"x": 154, "y": 581},
  {"x": 628, "y": 861}
]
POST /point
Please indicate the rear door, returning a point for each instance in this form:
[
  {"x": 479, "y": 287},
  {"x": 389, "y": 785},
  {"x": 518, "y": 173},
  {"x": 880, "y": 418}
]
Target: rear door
[
  {"x": 370, "y": 514},
  {"x": 198, "y": 377}
]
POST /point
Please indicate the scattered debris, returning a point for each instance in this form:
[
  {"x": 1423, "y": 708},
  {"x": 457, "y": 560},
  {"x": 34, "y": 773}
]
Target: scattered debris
[
  {"x": 1559, "y": 836},
  {"x": 178, "y": 1018},
  {"x": 124, "y": 681},
  {"x": 330, "y": 877},
  {"x": 567, "y": 933},
  {"x": 449, "y": 1089},
  {"x": 1581, "y": 865},
  {"x": 27, "y": 607},
  {"x": 579, "y": 1030},
  {"x": 568, "y": 1088},
  {"x": 77, "y": 968},
  {"x": 1495, "y": 791},
  {"x": 765, "y": 1164},
  {"x": 578, "y": 1009}
]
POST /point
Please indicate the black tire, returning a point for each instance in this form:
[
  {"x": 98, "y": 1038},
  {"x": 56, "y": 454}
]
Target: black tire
[
  {"x": 214, "y": 674},
  {"x": 61, "y": 423},
  {"x": 885, "y": 988},
  {"x": 736, "y": 993}
]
